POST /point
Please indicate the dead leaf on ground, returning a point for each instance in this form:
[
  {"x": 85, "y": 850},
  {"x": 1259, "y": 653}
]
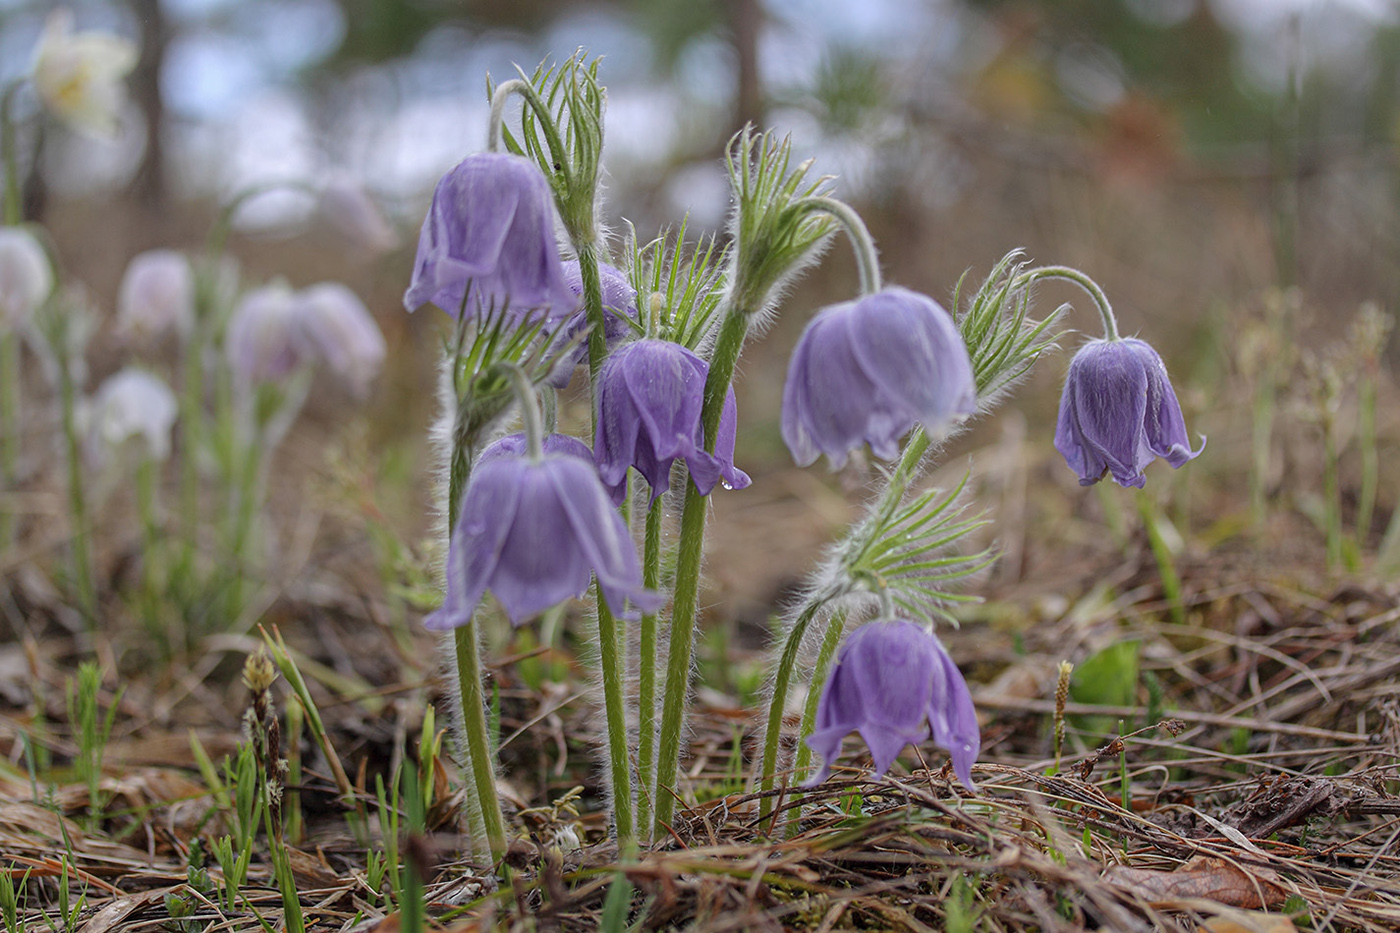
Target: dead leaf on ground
[
  {"x": 1203, "y": 877},
  {"x": 1247, "y": 921}
]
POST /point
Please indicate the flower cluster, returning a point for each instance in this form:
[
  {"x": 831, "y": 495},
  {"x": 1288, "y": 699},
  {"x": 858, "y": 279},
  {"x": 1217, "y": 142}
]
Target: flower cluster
[{"x": 274, "y": 330}]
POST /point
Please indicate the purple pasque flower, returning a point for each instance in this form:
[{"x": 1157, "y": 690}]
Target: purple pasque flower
[
  {"x": 619, "y": 299},
  {"x": 1118, "y": 412},
  {"x": 534, "y": 532},
  {"x": 650, "y": 396},
  {"x": 262, "y": 340},
  {"x": 490, "y": 230},
  {"x": 334, "y": 326},
  {"x": 156, "y": 297},
  {"x": 866, "y": 371},
  {"x": 894, "y": 684},
  {"x": 515, "y": 445}
]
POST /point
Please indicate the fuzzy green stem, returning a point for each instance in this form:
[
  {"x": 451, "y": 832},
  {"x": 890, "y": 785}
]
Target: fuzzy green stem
[
  {"x": 777, "y": 703},
  {"x": 1370, "y": 460},
  {"x": 77, "y": 497},
  {"x": 528, "y": 403},
  {"x": 867, "y": 258},
  {"x": 646, "y": 671},
  {"x": 728, "y": 345},
  {"x": 835, "y": 629},
  {"x": 9, "y": 343},
  {"x": 499, "y": 99},
  {"x": 1029, "y": 277},
  {"x": 593, "y": 309},
  {"x": 527, "y": 91},
  {"x": 219, "y": 230},
  {"x": 610, "y": 663}
]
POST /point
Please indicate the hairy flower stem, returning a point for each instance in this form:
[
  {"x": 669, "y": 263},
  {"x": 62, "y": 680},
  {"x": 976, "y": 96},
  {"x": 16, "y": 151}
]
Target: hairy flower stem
[
  {"x": 501, "y": 96},
  {"x": 867, "y": 258},
  {"x": 1031, "y": 276},
  {"x": 834, "y": 630},
  {"x": 9, "y": 343},
  {"x": 687, "y": 590},
  {"x": 777, "y": 703},
  {"x": 77, "y": 498},
  {"x": 610, "y": 661},
  {"x": 646, "y": 672}
]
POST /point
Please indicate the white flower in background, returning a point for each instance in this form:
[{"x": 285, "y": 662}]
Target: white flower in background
[
  {"x": 79, "y": 75},
  {"x": 25, "y": 277},
  {"x": 132, "y": 405},
  {"x": 156, "y": 297},
  {"x": 262, "y": 341},
  {"x": 335, "y": 327},
  {"x": 349, "y": 209}
]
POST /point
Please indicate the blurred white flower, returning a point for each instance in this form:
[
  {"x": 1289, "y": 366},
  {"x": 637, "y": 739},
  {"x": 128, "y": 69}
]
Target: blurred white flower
[
  {"x": 79, "y": 75},
  {"x": 262, "y": 341},
  {"x": 335, "y": 327},
  {"x": 132, "y": 405},
  {"x": 349, "y": 209},
  {"x": 156, "y": 297},
  {"x": 25, "y": 277}
]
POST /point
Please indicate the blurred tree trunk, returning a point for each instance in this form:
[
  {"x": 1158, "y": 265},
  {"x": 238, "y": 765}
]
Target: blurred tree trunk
[
  {"x": 745, "y": 22},
  {"x": 149, "y": 185}
]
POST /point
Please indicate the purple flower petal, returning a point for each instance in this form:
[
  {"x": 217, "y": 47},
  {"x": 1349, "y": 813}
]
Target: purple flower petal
[{"x": 619, "y": 303}]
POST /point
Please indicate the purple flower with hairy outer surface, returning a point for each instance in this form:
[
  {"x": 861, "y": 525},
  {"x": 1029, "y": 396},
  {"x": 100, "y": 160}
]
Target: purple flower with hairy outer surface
[
  {"x": 893, "y": 683},
  {"x": 262, "y": 340},
  {"x": 1118, "y": 412},
  {"x": 866, "y": 371},
  {"x": 619, "y": 298},
  {"x": 515, "y": 445},
  {"x": 334, "y": 326},
  {"x": 491, "y": 229},
  {"x": 156, "y": 297},
  {"x": 534, "y": 533},
  {"x": 650, "y": 396}
]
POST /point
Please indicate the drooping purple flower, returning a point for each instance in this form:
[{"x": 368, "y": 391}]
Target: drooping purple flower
[
  {"x": 1118, "y": 412},
  {"x": 534, "y": 533},
  {"x": 866, "y": 371},
  {"x": 619, "y": 299},
  {"x": 26, "y": 278},
  {"x": 262, "y": 339},
  {"x": 490, "y": 229},
  {"x": 515, "y": 445},
  {"x": 894, "y": 684},
  {"x": 650, "y": 396},
  {"x": 131, "y": 405},
  {"x": 334, "y": 327},
  {"x": 156, "y": 297}
]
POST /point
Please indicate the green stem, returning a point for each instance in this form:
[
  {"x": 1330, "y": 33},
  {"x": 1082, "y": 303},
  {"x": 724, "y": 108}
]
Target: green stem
[
  {"x": 478, "y": 750},
  {"x": 1110, "y": 323},
  {"x": 1260, "y": 442},
  {"x": 1331, "y": 496},
  {"x": 557, "y": 152},
  {"x": 593, "y": 308},
  {"x": 223, "y": 223},
  {"x": 610, "y": 661},
  {"x": 830, "y": 641},
  {"x": 1370, "y": 461},
  {"x": 77, "y": 499},
  {"x": 867, "y": 258},
  {"x": 777, "y": 703},
  {"x": 9, "y": 343},
  {"x": 14, "y": 207},
  {"x": 146, "y": 475},
  {"x": 646, "y": 671},
  {"x": 687, "y": 590}
]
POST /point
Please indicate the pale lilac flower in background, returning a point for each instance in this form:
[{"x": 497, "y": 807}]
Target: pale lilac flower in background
[
  {"x": 335, "y": 328},
  {"x": 490, "y": 229},
  {"x": 619, "y": 303},
  {"x": 263, "y": 340},
  {"x": 80, "y": 75},
  {"x": 534, "y": 533},
  {"x": 156, "y": 297},
  {"x": 25, "y": 277},
  {"x": 1118, "y": 413},
  {"x": 866, "y": 371},
  {"x": 131, "y": 406},
  {"x": 348, "y": 209},
  {"x": 895, "y": 685},
  {"x": 650, "y": 395}
]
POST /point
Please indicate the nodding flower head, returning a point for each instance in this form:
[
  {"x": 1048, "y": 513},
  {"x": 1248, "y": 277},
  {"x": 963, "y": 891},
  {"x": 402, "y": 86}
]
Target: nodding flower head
[
  {"x": 650, "y": 397},
  {"x": 894, "y": 684},
  {"x": 25, "y": 277},
  {"x": 335, "y": 327},
  {"x": 1118, "y": 413},
  {"x": 263, "y": 340},
  {"x": 534, "y": 532},
  {"x": 488, "y": 241},
  {"x": 79, "y": 75},
  {"x": 156, "y": 297},
  {"x": 619, "y": 303},
  {"x": 130, "y": 405},
  {"x": 866, "y": 371}
]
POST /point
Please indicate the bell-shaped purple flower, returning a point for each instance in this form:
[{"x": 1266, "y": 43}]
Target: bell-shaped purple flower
[
  {"x": 534, "y": 533},
  {"x": 619, "y": 299},
  {"x": 866, "y": 371},
  {"x": 335, "y": 328},
  {"x": 262, "y": 340},
  {"x": 156, "y": 297},
  {"x": 490, "y": 230},
  {"x": 1118, "y": 412},
  {"x": 894, "y": 684},
  {"x": 650, "y": 396},
  {"x": 515, "y": 445}
]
